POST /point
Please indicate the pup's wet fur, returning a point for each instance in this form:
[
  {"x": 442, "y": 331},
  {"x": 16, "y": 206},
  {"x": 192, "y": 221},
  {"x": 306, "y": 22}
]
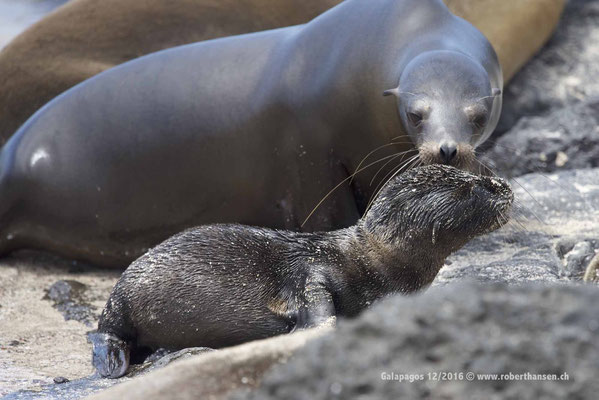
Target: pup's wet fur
[{"x": 222, "y": 285}]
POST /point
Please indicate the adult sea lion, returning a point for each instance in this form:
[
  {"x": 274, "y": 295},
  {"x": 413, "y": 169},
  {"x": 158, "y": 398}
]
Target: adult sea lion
[
  {"x": 221, "y": 285},
  {"x": 85, "y": 37},
  {"x": 251, "y": 129}
]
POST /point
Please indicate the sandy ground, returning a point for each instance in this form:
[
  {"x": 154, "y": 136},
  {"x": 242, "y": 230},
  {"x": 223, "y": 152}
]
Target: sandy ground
[{"x": 36, "y": 343}]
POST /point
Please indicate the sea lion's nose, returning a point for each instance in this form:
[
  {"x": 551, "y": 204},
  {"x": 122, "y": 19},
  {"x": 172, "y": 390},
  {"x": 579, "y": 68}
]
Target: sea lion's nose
[{"x": 448, "y": 151}]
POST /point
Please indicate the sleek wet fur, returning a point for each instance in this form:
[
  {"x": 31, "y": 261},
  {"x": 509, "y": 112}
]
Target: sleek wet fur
[
  {"x": 221, "y": 285},
  {"x": 251, "y": 129},
  {"x": 86, "y": 37}
]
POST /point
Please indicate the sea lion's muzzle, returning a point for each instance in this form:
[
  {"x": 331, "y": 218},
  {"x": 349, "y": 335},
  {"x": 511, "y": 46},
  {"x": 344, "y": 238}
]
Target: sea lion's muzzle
[{"x": 460, "y": 155}]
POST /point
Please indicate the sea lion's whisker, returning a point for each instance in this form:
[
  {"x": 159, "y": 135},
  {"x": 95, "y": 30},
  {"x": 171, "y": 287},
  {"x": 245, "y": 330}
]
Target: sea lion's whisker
[
  {"x": 385, "y": 179},
  {"x": 341, "y": 183},
  {"x": 408, "y": 140},
  {"x": 381, "y": 168},
  {"x": 409, "y": 163},
  {"x": 521, "y": 186},
  {"x": 533, "y": 198},
  {"x": 518, "y": 212},
  {"x": 515, "y": 216},
  {"x": 402, "y": 154},
  {"x": 369, "y": 154},
  {"x": 486, "y": 167},
  {"x": 515, "y": 225},
  {"x": 510, "y": 222}
]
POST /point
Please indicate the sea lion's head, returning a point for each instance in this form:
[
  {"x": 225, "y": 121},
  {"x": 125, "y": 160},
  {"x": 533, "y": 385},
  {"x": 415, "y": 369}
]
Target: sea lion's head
[
  {"x": 447, "y": 106},
  {"x": 438, "y": 209}
]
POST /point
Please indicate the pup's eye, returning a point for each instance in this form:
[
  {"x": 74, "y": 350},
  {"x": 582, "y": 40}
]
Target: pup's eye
[
  {"x": 480, "y": 121},
  {"x": 415, "y": 118}
]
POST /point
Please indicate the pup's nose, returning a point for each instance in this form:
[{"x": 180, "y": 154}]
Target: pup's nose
[{"x": 448, "y": 151}]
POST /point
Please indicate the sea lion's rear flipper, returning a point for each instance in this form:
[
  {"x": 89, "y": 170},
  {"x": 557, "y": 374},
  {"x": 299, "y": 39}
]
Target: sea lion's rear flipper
[{"x": 110, "y": 355}]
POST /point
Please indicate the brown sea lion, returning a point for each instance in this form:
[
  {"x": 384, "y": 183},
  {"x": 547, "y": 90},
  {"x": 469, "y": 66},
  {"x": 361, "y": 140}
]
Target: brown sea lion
[{"x": 85, "y": 37}]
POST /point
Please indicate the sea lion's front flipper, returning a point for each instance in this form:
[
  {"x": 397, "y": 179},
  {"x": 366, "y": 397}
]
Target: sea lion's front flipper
[
  {"x": 110, "y": 355},
  {"x": 317, "y": 307}
]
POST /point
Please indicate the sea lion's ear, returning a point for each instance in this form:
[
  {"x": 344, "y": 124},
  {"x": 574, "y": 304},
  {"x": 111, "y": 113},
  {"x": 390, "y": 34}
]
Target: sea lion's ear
[
  {"x": 496, "y": 92},
  {"x": 392, "y": 92}
]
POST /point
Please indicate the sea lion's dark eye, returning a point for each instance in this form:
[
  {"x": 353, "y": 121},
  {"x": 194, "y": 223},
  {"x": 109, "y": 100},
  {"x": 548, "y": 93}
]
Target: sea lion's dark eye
[
  {"x": 480, "y": 121},
  {"x": 415, "y": 118}
]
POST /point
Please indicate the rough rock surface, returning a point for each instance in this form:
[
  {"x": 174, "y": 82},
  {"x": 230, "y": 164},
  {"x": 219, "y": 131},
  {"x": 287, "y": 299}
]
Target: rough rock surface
[
  {"x": 566, "y": 138},
  {"x": 64, "y": 389},
  {"x": 215, "y": 375},
  {"x": 564, "y": 72},
  {"x": 553, "y": 214},
  {"x": 462, "y": 328}
]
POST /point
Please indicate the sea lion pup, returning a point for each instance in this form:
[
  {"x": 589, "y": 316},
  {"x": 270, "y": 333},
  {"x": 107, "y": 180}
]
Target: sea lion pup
[
  {"x": 251, "y": 129},
  {"x": 221, "y": 285}
]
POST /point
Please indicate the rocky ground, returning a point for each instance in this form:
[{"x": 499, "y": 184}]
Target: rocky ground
[
  {"x": 563, "y": 73},
  {"x": 532, "y": 316},
  {"x": 447, "y": 343}
]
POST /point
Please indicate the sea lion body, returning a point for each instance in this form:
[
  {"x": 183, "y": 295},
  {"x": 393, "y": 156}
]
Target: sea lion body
[
  {"x": 252, "y": 129},
  {"x": 221, "y": 285},
  {"x": 85, "y": 37}
]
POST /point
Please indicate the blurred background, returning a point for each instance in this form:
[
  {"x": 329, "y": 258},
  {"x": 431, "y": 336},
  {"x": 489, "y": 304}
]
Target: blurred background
[{"x": 16, "y": 15}]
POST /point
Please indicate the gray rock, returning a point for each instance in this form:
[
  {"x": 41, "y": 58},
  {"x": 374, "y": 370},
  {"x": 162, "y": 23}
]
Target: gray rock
[
  {"x": 566, "y": 138},
  {"x": 552, "y": 214},
  {"x": 65, "y": 389},
  {"x": 214, "y": 375},
  {"x": 528, "y": 331},
  {"x": 564, "y": 72},
  {"x": 69, "y": 298},
  {"x": 577, "y": 259}
]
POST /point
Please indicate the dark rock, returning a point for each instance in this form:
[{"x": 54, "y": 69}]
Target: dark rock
[
  {"x": 450, "y": 332},
  {"x": 566, "y": 138},
  {"x": 564, "y": 71},
  {"x": 60, "y": 380},
  {"x": 69, "y": 299}
]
